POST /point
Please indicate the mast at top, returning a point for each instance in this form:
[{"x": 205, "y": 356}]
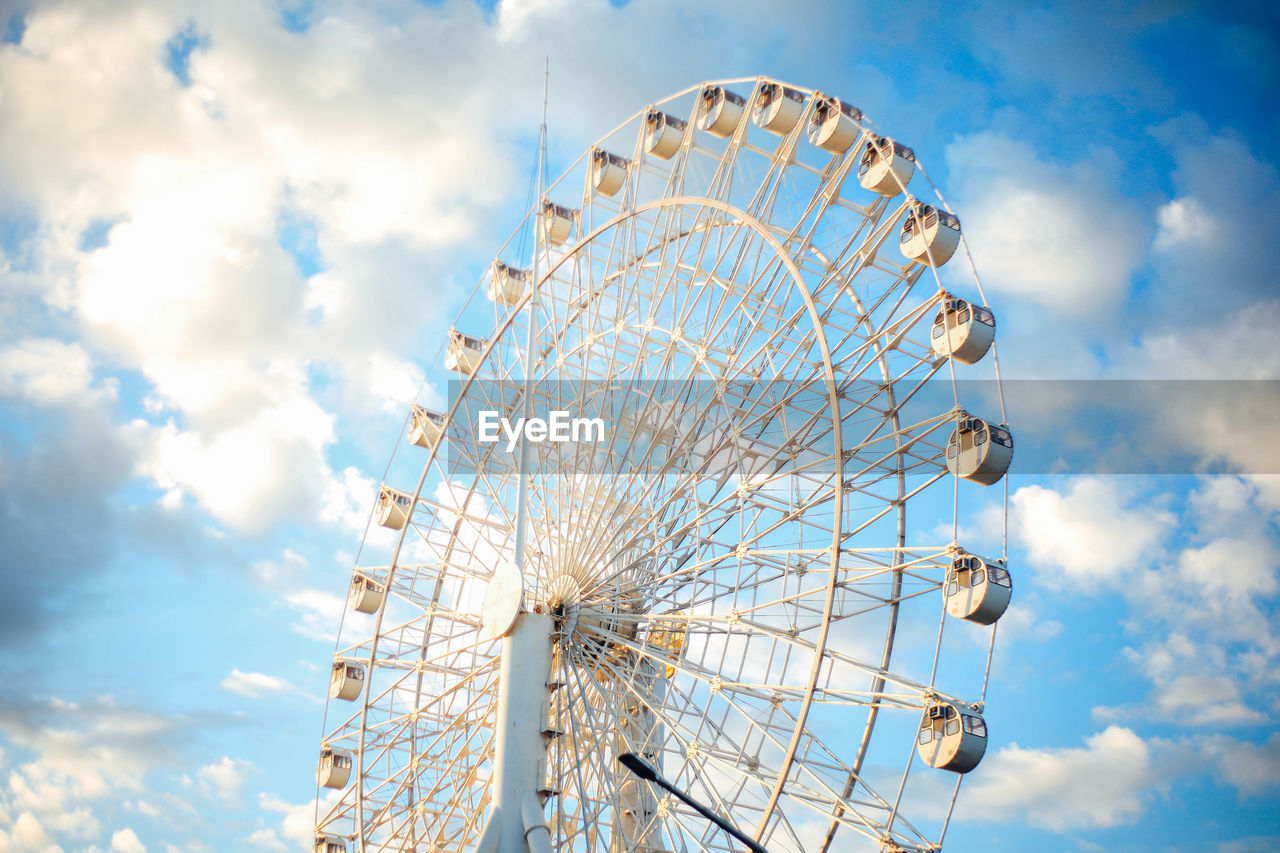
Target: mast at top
[
  {"x": 542, "y": 133},
  {"x": 522, "y": 499}
]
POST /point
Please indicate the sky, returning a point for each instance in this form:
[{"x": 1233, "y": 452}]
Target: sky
[{"x": 233, "y": 233}]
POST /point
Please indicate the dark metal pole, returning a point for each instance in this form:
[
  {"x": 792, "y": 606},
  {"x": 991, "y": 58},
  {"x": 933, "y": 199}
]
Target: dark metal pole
[{"x": 646, "y": 771}]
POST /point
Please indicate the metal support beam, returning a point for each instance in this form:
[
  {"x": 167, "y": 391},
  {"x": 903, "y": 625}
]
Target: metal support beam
[{"x": 515, "y": 823}]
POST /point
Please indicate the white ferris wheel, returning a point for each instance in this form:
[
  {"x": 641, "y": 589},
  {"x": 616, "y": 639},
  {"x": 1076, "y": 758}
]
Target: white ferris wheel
[{"x": 769, "y": 307}]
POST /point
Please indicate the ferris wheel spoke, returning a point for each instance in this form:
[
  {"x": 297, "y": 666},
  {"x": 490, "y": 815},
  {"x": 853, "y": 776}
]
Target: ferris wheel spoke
[
  {"x": 734, "y": 760},
  {"x": 457, "y": 791},
  {"x": 595, "y": 768},
  {"x": 859, "y": 250},
  {"x": 861, "y": 349},
  {"x": 420, "y": 762},
  {"x": 745, "y": 629},
  {"x": 858, "y": 807},
  {"x": 800, "y": 239},
  {"x": 407, "y": 646},
  {"x": 875, "y": 458},
  {"x": 395, "y": 733}
]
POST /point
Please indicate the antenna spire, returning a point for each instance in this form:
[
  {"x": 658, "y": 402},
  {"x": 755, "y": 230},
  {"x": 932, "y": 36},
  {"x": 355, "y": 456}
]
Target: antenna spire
[
  {"x": 542, "y": 133},
  {"x": 522, "y": 496}
]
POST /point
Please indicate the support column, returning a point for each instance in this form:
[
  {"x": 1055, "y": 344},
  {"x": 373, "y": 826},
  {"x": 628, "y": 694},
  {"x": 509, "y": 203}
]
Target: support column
[
  {"x": 640, "y": 730},
  {"x": 520, "y": 756}
]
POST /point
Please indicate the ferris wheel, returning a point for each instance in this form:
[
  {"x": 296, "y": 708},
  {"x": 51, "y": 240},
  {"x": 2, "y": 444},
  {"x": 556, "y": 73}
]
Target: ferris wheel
[{"x": 745, "y": 312}]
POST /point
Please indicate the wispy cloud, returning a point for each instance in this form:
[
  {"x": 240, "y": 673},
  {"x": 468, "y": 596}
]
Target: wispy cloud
[{"x": 255, "y": 684}]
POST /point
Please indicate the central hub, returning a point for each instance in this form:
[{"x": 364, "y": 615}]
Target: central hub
[
  {"x": 564, "y": 601},
  {"x": 596, "y": 624}
]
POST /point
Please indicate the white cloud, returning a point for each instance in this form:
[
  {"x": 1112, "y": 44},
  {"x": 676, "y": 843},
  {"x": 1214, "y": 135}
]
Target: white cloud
[
  {"x": 325, "y": 109},
  {"x": 1087, "y": 533},
  {"x": 1219, "y": 501},
  {"x": 253, "y": 473},
  {"x": 290, "y": 567},
  {"x": 1219, "y": 587},
  {"x": 387, "y": 154},
  {"x": 1195, "y": 680},
  {"x": 1251, "y": 768},
  {"x": 145, "y": 808},
  {"x": 515, "y": 16},
  {"x": 47, "y": 372},
  {"x": 1057, "y": 236},
  {"x": 394, "y": 383},
  {"x": 81, "y": 764},
  {"x": 1211, "y": 345},
  {"x": 76, "y": 144},
  {"x": 224, "y": 778},
  {"x": 255, "y": 684},
  {"x": 1249, "y": 845},
  {"x": 266, "y": 839},
  {"x": 1185, "y": 222},
  {"x": 191, "y": 287},
  {"x": 125, "y": 841},
  {"x": 1267, "y": 492},
  {"x": 85, "y": 753},
  {"x": 1202, "y": 700},
  {"x": 318, "y": 613},
  {"x": 1230, "y": 421},
  {"x": 81, "y": 757},
  {"x": 1021, "y": 623},
  {"x": 1220, "y": 225},
  {"x": 1231, "y": 568},
  {"x": 1198, "y": 593},
  {"x": 1111, "y": 779},
  {"x": 27, "y": 834},
  {"x": 1233, "y": 425},
  {"x": 349, "y": 500},
  {"x": 1217, "y": 231},
  {"x": 1100, "y": 784},
  {"x": 298, "y": 822}
]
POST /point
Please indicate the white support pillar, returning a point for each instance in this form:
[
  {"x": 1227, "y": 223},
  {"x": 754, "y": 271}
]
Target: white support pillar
[
  {"x": 640, "y": 730},
  {"x": 520, "y": 755}
]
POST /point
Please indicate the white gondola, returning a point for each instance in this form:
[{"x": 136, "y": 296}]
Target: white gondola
[
  {"x": 335, "y": 767},
  {"x": 608, "y": 171},
  {"x": 834, "y": 125},
  {"x": 507, "y": 285},
  {"x": 951, "y": 737},
  {"x": 929, "y": 236},
  {"x": 979, "y": 451},
  {"x": 720, "y": 111},
  {"x": 963, "y": 331},
  {"x": 330, "y": 844},
  {"x": 885, "y": 166},
  {"x": 365, "y": 595},
  {"x": 557, "y": 222},
  {"x": 662, "y": 134},
  {"x": 978, "y": 589},
  {"x": 426, "y": 427},
  {"x": 464, "y": 353},
  {"x": 392, "y": 510},
  {"x": 346, "y": 679},
  {"x": 777, "y": 108}
]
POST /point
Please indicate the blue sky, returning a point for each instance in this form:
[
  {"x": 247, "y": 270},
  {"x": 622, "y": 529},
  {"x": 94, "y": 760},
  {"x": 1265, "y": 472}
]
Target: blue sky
[{"x": 232, "y": 235}]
